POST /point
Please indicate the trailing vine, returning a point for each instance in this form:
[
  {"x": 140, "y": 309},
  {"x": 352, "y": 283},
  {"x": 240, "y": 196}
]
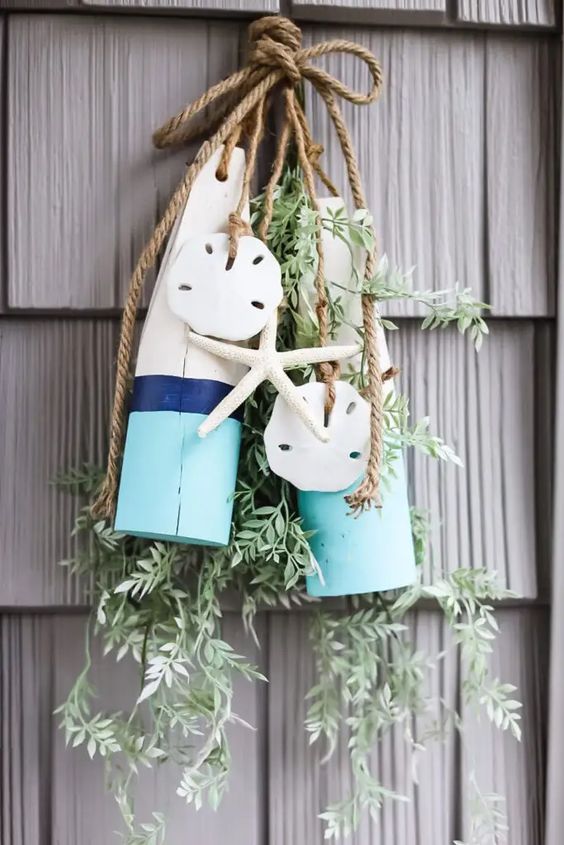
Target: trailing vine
[{"x": 160, "y": 604}]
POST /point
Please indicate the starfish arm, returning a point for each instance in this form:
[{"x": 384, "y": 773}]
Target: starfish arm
[
  {"x": 317, "y": 355},
  {"x": 268, "y": 334},
  {"x": 294, "y": 399},
  {"x": 223, "y": 349},
  {"x": 232, "y": 401}
]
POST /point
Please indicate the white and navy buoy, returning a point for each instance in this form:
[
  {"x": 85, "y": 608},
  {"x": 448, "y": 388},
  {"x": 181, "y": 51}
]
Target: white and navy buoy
[{"x": 174, "y": 484}]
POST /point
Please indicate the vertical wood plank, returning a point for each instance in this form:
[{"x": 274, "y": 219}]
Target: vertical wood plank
[
  {"x": 513, "y": 13},
  {"x": 461, "y": 185},
  {"x": 242, "y": 8},
  {"x": 301, "y": 785},
  {"x": 296, "y": 778},
  {"x": 85, "y": 187},
  {"x": 395, "y": 12},
  {"x": 499, "y": 763},
  {"x": 544, "y": 406},
  {"x": 55, "y": 392},
  {"x": 555, "y": 745},
  {"x": 3, "y": 87},
  {"x": 57, "y": 794},
  {"x": 26, "y": 747},
  {"x": 420, "y": 149},
  {"x": 521, "y": 136},
  {"x": 247, "y": 7},
  {"x": 483, "y": 405}
]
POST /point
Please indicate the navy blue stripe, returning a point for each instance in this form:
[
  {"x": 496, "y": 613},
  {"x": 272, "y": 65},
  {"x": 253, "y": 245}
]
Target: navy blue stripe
[{"x": 173, "y": 393}]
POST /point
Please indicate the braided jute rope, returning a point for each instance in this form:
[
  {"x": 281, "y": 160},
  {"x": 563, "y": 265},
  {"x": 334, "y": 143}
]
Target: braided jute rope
[{"x": 235, "y": 106}]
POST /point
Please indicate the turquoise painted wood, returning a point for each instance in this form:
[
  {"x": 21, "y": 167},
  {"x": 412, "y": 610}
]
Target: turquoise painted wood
[
  {"x": 366, "y": 554},
  {"x": 176, "y": 485}
]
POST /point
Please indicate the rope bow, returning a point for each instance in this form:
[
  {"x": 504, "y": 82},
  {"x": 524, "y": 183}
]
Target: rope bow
[{"x": 239, "y": 106}]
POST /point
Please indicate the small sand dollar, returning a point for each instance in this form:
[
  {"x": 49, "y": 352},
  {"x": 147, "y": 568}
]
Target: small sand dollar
[
  {"x": 295, "y": 454},
  {"x": 220, "y": 298}
]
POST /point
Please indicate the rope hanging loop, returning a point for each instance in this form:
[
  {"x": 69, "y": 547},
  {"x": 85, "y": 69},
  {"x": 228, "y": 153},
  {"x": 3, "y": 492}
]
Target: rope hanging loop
[
  {"x": 275, "y": 54},
  {"x": 238, "y": 105}
]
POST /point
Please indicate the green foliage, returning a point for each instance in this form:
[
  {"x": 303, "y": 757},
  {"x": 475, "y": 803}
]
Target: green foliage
[
  {"x": 372, "y": 680},
  {"x": 464, "y": 598},
  {"x": 151, "y": 833},
  {"x": 487, "y": 818},
  {"x": 158, "y": 605},
  {"x": 446, "y": 307}
]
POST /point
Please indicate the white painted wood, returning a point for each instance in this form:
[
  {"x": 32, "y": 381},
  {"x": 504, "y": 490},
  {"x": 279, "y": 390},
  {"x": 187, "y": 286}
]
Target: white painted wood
[
  {"x": 164, "y": 348},
  {"x": 344, "y": 269}
]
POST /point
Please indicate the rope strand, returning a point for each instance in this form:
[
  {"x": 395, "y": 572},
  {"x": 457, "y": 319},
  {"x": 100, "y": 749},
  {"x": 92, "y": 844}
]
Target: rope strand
[
  {"x": 237, "y": 226},
  {"x": 314, "y": 151},
  {"x": 368, "y": 490},
  {"x": 276, "y": 172},
  {"x": 328, "y": 371}
]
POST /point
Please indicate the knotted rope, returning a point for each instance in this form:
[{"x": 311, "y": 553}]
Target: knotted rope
[{"x": 239, "y": 106}]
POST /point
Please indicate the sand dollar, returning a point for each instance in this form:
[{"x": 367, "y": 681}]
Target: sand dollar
[
  {"x": 295, "y": 454},
  {"x": 220, "y": 298}
]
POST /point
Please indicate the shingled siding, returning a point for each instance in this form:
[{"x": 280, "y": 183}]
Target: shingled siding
[{"x": 461, "y": 159}]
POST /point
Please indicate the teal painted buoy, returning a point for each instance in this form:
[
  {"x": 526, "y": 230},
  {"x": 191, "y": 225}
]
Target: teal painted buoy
[
  {"x": 174, "y": 484},
  {"x": 369, "y": 553}
]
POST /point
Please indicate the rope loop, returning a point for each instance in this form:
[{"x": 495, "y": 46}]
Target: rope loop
[{"x": 236, "y": 228}]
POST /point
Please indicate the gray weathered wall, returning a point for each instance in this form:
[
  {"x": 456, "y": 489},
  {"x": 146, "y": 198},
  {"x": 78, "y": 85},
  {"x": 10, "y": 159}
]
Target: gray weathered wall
[{"x": 461, "y": 161}]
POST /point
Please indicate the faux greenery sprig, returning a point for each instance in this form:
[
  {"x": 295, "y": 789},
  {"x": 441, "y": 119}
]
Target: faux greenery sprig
[
  {"x": 160, "y": 605},
  {"x": 372, "y": 679},
  {"x": 446, "y": 307}
]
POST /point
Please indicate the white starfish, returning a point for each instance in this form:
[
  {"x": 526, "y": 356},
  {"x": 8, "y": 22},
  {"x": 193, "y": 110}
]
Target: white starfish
[{"x": 266, "y": 363}]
